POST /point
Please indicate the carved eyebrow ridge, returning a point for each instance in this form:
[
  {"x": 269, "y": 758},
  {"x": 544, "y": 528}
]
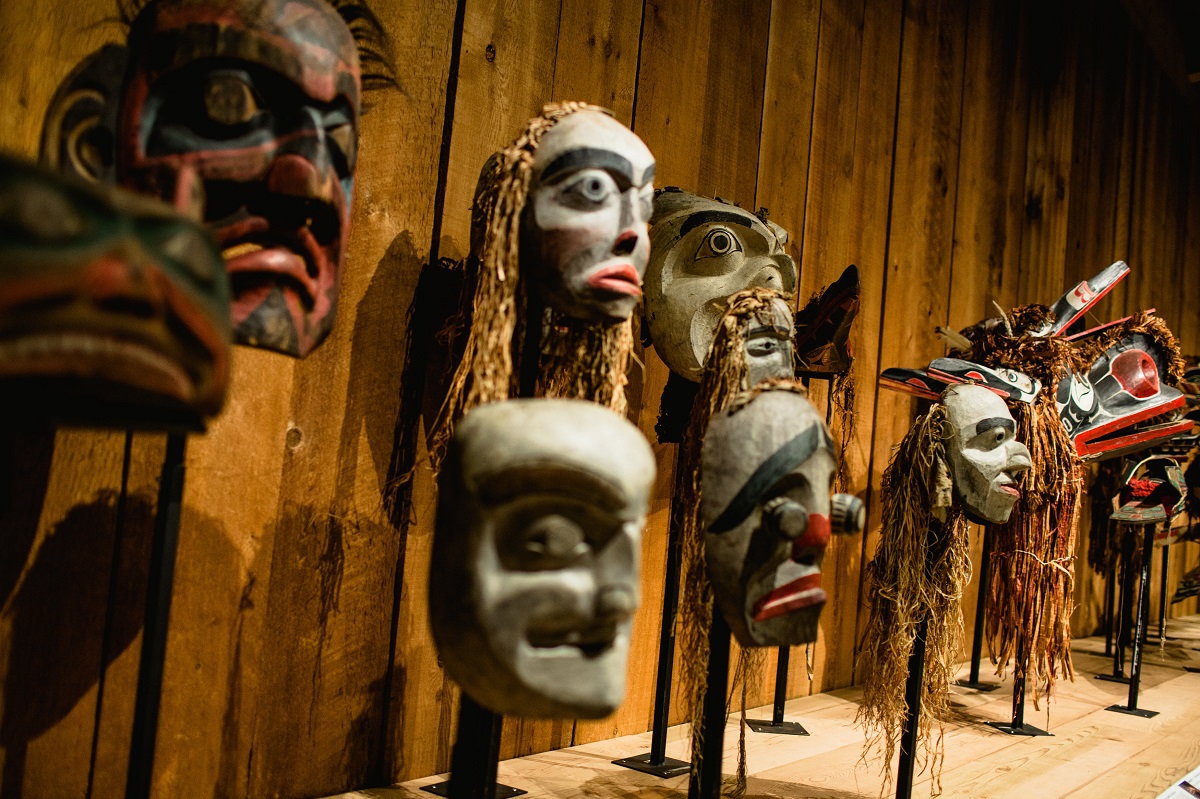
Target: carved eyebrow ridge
[
  {"x": 996, "y": 421},
  {"x": 596, "y": 157},
  {"x": 774, "y": 330},
  {"x": 704, "y": 217}
]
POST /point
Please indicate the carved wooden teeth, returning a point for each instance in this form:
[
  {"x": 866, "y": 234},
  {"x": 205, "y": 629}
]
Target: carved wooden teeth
[{"x": 70, "y": 344}]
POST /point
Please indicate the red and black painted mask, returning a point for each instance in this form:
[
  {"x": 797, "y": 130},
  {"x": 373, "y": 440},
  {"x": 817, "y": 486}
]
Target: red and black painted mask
[
  {"x": 261, "y": 100},
  {"x": 114, "y": 309},
  {"x": 1120, "y": 404}
]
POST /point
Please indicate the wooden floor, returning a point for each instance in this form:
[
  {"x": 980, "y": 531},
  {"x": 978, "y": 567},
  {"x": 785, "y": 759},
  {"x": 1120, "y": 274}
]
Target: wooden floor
[{"x": 1093, "y": 753}]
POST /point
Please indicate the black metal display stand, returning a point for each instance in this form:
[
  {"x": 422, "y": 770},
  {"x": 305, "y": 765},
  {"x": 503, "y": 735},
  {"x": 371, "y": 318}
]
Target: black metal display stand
[
  {"x": 1110, "y": 600},
  {"x": 973, "y": 681},
  {"x": 1162, "y": 594},
  {"x": 476, "y": 756},
  {"x": 656, "y": 761},
  {"x": 705, "y": 782},
  {"x": 1018, "y": 726},
  {"x": 1123, "y": 617},
  {"x": 1135, "y": 669},
  {"x": 777, "y": 725},
  {"x": 912, "y": 723},
  {"x": 160, "y": 582}
]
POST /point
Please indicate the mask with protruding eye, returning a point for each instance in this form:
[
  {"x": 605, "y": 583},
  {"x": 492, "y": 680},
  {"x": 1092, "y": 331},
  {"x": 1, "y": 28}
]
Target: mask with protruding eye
[{"x": 719, "y": 242}]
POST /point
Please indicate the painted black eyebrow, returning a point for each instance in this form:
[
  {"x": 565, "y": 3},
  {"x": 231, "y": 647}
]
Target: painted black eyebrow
[
  {"x": 996, "y": 421},
  {"x": 704, "y": 217},
  {"x": 774, "y": 330},
  {"x": 594, "y": 157},
  {"x": 772, "y": 470}
]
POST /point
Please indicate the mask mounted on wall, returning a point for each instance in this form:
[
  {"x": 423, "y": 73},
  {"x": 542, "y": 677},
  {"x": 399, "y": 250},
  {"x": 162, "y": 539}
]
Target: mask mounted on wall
[
  {"x": 585, "y": 233},
  {"x": 536, "y": 556},
  {"x": 701, "y": 252},
  {"x": 114, "y": 310},
  {"x": 258, "y": 102},
  {"x": 767, "y": 467},
  {"x": 823, "y": 328}
]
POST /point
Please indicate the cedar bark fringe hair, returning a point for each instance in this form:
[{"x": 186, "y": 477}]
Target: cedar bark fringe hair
[
  {"x": 917, "y": 575},
  {"x": 843, "y": 394},
  {"x": 1031, "y": 589},
  {"x": 724, "y": 384},
  {"x": 576, "y": 359}
]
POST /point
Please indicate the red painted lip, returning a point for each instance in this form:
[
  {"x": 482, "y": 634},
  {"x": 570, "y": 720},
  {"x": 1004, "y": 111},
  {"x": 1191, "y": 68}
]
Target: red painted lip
[
  {"x": 1011, "y": 489},
  {"x": 619, "y": 278},
  {"x": 800, "y": 593},
  {"x": 293, "y": 254}
]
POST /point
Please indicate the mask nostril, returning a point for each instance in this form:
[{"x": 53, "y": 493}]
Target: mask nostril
[{"x": 626, "y": 243}]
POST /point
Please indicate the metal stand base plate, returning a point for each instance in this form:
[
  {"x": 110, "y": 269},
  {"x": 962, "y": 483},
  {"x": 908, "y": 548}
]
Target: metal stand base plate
[
  {"x": 1132, "y": 711},
  {"x": 782, "y": 728},
  {"x": 1121, "y": 678},
  {"x": 977, "y": 686},
  {"x": 669, "y": 767},
  {"x": 1024, "y": 729},
  {"x": 502, "y": 791},
  {"x": 1192, "y": 669}
]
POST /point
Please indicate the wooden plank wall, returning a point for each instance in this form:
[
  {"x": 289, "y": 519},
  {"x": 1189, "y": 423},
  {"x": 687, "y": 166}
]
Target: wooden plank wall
[{"x": 959, "y": 152}]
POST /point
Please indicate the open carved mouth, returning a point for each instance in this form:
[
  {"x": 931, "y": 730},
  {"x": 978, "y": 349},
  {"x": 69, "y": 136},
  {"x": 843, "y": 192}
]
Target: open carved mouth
[
  {"x": 1009, "y": 487},
  {"x": 619, "y": 278},
  {"x": 803, "y": 592},
  {"x": 591, "y": 641},
  {"x": 283, "y": 240}
]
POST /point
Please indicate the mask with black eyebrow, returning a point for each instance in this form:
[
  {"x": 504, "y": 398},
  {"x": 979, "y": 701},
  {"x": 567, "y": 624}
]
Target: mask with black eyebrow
[
  {"x": 767, "y": 467},
  {"x": 985, "y": 457},
  {"x": 258, "y": 102},
  {"x": 584, "y": 234},
  {"x": 703, "y": 251},
  {"x": 534, "y": 577}
]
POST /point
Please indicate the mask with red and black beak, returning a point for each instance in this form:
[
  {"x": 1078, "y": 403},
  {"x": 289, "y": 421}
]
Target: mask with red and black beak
[
  {"x": 767, "y": 468},
  {"x": 257, "y": 102}
]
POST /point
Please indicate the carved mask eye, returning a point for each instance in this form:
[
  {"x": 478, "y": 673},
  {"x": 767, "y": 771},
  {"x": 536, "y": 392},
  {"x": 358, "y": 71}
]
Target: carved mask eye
[
  {"x": 229, "y": 99},
  {"x": 719, "y": 242}
]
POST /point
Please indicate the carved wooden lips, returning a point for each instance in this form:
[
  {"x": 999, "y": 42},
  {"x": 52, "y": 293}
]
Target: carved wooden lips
[{"x": 114, "y": 310}]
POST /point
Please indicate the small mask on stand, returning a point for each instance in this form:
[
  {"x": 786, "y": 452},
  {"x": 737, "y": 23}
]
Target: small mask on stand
[
  {"x": 585, "y": 234},
  {"x": 114, "y": 310},
  {"x": 258, "y": 101},
  {"x": 767, "y": 467},
  {"x": 985, "y": 457},
  {"x": 536, "y": 556},
  {"x": 703, "y": 251}
]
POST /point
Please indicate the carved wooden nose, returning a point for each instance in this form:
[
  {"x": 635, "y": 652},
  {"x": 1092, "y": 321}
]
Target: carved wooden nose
[
  {"x": 296, "y": 176},
  {"x": 615, "y": 603}
]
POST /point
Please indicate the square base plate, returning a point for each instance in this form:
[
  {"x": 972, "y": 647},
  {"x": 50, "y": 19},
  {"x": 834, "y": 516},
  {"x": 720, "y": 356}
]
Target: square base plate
[
  {"x": 1192, "y": 669},
  {"x": 670, "y": 767},
  {"x": 782, "y": 728},
  {"x": 1132, "y": 711},
  {"x": 1121, "y": 678},
  {"x": 977, "y": 686},
  {"x": 1024, "y": 729},
  {"x": 502, "y": 791}
]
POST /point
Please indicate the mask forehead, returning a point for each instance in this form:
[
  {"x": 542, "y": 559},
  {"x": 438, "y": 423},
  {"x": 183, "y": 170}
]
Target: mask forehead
[
  {"x": 304, "y": 40},
  {"x": 593, "y": 139},
  {"x": 967, "y": 406}
]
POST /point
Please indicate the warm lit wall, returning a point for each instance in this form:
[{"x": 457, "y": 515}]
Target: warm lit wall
[{"x": 957, "y": 152}]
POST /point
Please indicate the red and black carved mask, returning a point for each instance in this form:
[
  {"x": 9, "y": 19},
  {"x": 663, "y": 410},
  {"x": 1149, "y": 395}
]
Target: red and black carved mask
[{"x": 261, "y": 100}]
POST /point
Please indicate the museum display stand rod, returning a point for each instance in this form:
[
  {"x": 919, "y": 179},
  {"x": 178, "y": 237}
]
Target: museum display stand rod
[
  {"x": 158, "y": 611},
  {"x": 656, "y": 762},
  {"x": 1143, "y": 610},
  {"x": 985, "y": 562},
  {"x": 1122, "y": 616},
  {"x": 705, "y": 781}
]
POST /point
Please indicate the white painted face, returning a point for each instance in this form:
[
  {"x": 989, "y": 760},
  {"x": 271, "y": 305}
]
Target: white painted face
[
  {"x": 536, "y": 556},
  {"x": 703, "y": 251},
  {"x": 587, "y": 215},
  {"x": 985, "y": 457},
  {"x": 770, "y": 351}
]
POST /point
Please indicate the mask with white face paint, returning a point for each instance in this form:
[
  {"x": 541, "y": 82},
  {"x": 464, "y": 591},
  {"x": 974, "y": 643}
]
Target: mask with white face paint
[
  {"x": 767, "y": 467},
  {"x": 534, "y": 576},
  {"x": 985, "y": 457},
  {"x": 585, "y": 234},
  {"x": 703, "y": 251}
]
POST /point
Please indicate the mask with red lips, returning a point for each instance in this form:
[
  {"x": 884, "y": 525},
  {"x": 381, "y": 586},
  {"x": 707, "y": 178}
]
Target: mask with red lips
[
  {"x": 767, "y": 467},
  {"x": 260, "y": 100},
  {"x": 585, "y": 225},
  {"x": 985, "y": 457}
]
